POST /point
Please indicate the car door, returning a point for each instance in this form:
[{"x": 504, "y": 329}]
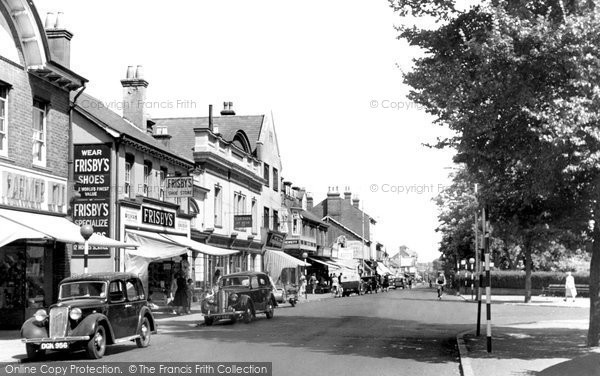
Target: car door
[
  {"x": 118, "y": 307},
  {"x": 135, "y": 302},
  {"x": 264, "y": 293},
  {"x": 255, "y": 293}
]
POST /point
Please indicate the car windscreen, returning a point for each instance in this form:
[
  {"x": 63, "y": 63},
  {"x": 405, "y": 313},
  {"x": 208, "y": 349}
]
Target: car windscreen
[
  {"x": 82, "y": 289},
  {"x": 235, "y": 281}
]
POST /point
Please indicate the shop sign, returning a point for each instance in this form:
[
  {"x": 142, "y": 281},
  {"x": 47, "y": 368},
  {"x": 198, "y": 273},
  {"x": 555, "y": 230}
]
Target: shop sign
[
  {"x": 92, "y": 170},
  {"x": 32, "y": 191},
  {"x": 157, "y": 217},
  {"x": 242, "y": 221},
  {"x": 180, "y": 186},
  {"x": 96, "y": 213},
  {"x": 182, "y": 225},
  {"x": 130, "y": 217},
  {"x": 275, "y": 239}
]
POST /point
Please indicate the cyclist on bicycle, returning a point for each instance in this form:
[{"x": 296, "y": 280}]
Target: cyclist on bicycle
[{"x": 440, "y": 282}]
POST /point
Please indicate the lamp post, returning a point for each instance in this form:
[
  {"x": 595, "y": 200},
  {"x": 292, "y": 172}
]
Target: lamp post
[
  {"x": 471, "y": 264},
  {"x": 305, "y": 256},
  {"x": 463, "y": 263},
  {"x": 86, "y": 232}
]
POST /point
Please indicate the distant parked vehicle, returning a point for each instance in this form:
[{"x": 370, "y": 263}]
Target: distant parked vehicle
[{"x": 351, "y": 283}]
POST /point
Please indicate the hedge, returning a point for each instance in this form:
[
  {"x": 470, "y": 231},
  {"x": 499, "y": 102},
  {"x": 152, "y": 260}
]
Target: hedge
[{"x": 509, "y": 279}]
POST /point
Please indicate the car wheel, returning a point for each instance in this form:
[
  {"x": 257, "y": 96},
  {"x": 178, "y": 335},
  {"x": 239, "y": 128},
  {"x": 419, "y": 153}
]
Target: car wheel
[
  {"x": 270, "y": 309},
  {"x": 34, "y": 351},
  {"x": 208, "y": 321},
  {"x": 97, "y": 344},
  {"x": 145, "y": 333},
  {"x": 248, "y": 315}
]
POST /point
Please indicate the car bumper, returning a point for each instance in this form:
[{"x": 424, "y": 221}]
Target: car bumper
[
  {"x": 51, "y": 340},
  {"x": 224, "y": 315}
]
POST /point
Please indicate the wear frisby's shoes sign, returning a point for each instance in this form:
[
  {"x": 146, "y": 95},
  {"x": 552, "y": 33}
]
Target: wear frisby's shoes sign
[
  {"x": 91, "y": 172},
  {"x": 156, "y": 217}
]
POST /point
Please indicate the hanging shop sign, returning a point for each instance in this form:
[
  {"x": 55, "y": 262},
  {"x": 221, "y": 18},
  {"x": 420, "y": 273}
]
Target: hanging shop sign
[
  {"x": 180, "y": 186},
  {"x": 275, "y": 239},
  {"x": 242, "y": 221}
]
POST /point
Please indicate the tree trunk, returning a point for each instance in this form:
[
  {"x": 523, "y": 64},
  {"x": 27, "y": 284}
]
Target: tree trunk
[
  {"x": 528, "y": 263},
  {"x": 594, "y": 329}
]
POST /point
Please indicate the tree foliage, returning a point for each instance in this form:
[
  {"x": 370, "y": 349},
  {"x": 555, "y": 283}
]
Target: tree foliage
[{"x": 518, "y": 82}]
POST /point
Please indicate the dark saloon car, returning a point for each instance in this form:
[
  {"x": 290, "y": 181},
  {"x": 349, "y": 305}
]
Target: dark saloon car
[
  {"x": 239, "y": 296},
  {"x": 93, "y": 310}
]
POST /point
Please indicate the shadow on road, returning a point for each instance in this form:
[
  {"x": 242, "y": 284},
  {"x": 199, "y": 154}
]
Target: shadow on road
[{"x": 345, "y": 335}]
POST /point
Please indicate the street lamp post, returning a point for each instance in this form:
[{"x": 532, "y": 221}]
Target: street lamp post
[
  {"x": 471, "y": 264},
  {"x": 463, "y": 263},
  {"x": 305, "y": 256},
  {"x": 86, "y": 232}
]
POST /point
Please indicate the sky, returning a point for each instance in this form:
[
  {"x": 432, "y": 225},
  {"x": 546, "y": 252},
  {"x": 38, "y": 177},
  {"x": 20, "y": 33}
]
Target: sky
[{"x": 329, "y": 72}]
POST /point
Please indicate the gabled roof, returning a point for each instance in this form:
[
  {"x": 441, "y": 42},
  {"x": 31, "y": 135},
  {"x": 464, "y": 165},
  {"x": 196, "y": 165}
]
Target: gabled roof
[
  {"x": 96, "y": 109},
  {"x": 329, "y": 219},
  {"x": 182, "y": 129},
  {"x": 310, "y": 216}
]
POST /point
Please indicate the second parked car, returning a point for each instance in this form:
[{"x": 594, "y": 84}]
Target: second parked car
[{"x": 239, "y": 296}]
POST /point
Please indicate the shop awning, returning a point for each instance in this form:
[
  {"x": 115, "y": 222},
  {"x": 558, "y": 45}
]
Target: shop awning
[
  {"x": 179, "y": 241},
  {"x": 382, "y": 269},
  {"x": 153, "y": 246},
  {"x": 334, "y": 264},
  {"x": 199, "y": 247},
  {"x": 276, "y": 261},
  {"x": 25, "y": 225}
]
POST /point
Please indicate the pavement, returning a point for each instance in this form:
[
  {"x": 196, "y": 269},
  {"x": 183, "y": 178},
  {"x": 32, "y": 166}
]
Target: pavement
[
  {"x": 542, "y": 348},
  {"x": 13, "y": 350}
]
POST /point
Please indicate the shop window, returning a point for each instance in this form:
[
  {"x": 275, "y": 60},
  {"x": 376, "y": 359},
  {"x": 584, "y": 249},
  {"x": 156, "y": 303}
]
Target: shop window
[
  {"x": 3, "y": 120},
  {"x": 39, "y": 133}
]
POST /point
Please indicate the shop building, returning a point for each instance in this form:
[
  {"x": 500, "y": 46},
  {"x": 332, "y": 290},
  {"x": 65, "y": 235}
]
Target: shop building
[
  {"x": 236, "y": 185},
  {"x": 134, "y": 187},
  {"x": 35, "y": 85}
]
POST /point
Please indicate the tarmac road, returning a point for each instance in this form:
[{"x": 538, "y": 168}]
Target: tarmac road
[{"x": 399, "y": 332}]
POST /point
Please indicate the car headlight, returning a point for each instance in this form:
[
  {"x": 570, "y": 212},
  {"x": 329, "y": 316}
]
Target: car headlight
[
  {"x": 75, "y": 314},
  {"x": 234, "y": 297},
  {"x": 40, "y": 315}
]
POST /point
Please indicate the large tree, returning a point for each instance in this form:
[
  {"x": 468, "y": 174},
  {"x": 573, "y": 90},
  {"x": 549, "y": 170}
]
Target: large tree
[{"x": 518, "y": 81}]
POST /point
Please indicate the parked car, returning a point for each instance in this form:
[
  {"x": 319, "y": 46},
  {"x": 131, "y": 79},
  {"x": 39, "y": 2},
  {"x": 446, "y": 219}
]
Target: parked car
[
  {"x": 93, "y": 310},
  {"x": 239, "y": 296},
  {"x": 392, "y": 281},
  {"x": 278, "y": 292},
  {"x": 352, "y": 283},
  {"x": 399, "y": 282}
]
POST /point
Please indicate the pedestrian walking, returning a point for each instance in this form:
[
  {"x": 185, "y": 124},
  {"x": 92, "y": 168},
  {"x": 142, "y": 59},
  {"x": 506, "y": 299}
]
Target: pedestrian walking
[
  {"x": 302, "y": 291},
  {"x": 335, "y": 286},
  {"x": 313, "y": 283},
  {"x": 440, "y": 282},
  {"x": 570, "y": 290},
  {"x": 189, "y": 295},
  {"x": 180, "y": 300}
]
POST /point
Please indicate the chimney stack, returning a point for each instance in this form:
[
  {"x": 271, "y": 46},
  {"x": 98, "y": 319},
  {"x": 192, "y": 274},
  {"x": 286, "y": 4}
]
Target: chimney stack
[
  {"x": 134, "y": 97},
  {"x": 355, "y": 202},
  {"x": 227, "y": 109},
  {"x": 309, "y": 203},
  {"x": 347, "y": 194},
  {"x": 210, "y": 118},
  {"x": 333, "y": 203},
  {"x": 59, "y": 39}
]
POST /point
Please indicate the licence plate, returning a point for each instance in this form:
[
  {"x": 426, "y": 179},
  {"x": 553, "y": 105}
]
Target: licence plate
[
  {"x": 54, "y": 346},
  {"x": 221, "y": 317}
]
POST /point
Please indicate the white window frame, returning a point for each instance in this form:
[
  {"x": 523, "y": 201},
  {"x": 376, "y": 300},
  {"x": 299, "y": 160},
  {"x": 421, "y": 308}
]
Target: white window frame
[
  {"x": 147, "y": 178},
  {"x": 4, "y": 120},
  {"x": 127, "y": 178},
  {"x": 218, "y": 206},
  {"x": 39, "y": 137},
  {"x": 163, "y": 183},
  {"x": 254, "y": 216}
]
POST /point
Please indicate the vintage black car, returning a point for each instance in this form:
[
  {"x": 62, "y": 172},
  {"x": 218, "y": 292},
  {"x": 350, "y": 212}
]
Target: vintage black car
[
  {"x": 239, "y": 296},
  {"x": 93, "y": 310}
]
